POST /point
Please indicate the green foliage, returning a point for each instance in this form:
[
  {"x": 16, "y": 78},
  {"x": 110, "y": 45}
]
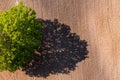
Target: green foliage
[{"x": 19, "y": 36}]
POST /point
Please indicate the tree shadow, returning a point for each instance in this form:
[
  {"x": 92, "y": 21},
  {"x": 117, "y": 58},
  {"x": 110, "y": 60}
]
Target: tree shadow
[{"x": 59, "y": 51}]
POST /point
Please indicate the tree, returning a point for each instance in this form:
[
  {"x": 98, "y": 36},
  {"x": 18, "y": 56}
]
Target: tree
[{"x": 19, "y": 36}]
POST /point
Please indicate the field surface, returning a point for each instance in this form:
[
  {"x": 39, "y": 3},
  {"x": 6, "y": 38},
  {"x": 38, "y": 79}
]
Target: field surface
[{"x": 96, "y": 21}]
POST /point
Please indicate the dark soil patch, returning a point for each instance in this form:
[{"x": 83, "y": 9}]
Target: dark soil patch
[{"x": 59, "y": 51}]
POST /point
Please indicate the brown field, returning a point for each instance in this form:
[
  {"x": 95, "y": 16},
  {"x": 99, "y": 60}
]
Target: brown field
[{"x": 97, "y": 21}]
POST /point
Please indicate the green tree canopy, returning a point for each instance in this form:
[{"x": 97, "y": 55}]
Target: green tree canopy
[{"x": 19, "y": 36}]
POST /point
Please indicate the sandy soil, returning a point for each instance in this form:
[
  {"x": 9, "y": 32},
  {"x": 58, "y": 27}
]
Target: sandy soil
[{"x": 96, "y": 21}]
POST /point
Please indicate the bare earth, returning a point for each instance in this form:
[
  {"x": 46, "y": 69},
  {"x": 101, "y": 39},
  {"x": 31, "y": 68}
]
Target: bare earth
[{"x": 96, "y": 21}]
